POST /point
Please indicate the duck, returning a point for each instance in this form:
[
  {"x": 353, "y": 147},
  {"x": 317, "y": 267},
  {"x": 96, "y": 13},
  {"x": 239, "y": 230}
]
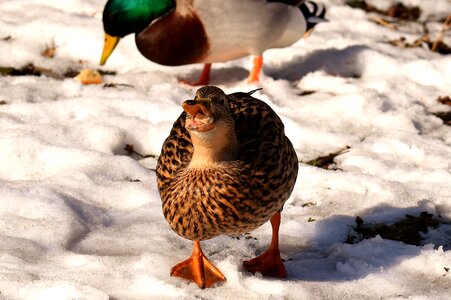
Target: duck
[
  {"x": 181, "y": 32},
  {"x": 226, "y": 168}
]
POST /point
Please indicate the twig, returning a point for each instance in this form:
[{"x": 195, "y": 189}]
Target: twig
[
  {"x": 131, "y": 150},
  {"x": 446, "y": 25},
  {"x": 113, "y": 85},
  {"x": 325, "y": 161},
  {"x": 382, "y": 22}
]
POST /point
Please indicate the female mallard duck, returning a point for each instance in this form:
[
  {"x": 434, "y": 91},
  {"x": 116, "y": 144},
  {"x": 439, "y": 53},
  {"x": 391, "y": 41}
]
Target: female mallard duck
[
  {"x": 226, "y": 168},
  {"x": 180, "y": 32}
]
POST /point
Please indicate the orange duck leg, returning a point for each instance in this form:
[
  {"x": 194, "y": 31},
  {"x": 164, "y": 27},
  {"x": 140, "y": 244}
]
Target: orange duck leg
[
  {"x": 269, "y": 263},
  {"x": 254, "y": 75},
  {"x": 204, "y": 77},
  {"x": 198, "y": 269}
]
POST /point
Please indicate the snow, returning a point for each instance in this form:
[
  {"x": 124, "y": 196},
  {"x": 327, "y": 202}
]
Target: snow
[{"x": 81, "y": 219}]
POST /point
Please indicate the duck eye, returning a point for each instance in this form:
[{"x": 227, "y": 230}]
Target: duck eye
[{"x": 190, "y": 102}]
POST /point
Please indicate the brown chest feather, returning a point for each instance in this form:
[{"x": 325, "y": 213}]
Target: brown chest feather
[
  {"x": 236, "y": 196},
  {"x": 174, "y": 40}
]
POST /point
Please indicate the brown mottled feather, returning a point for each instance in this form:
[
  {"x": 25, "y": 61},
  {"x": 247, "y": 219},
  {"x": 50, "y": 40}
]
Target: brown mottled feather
[
  {"x": 185, "y": 30},
  {"x": 235, "y": 196}
]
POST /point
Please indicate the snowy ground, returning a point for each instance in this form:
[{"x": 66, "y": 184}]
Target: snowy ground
[{"x": 81, "y": 219}]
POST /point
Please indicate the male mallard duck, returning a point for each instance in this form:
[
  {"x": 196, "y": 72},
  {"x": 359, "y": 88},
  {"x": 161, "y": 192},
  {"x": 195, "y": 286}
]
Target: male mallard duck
[
  {"x": 180, "y": 32},
  {"x": 226, "y": 168}
]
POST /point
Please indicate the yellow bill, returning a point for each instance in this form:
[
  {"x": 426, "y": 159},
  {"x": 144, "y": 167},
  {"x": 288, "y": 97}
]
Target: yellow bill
[{"x": 108, "y": 47}]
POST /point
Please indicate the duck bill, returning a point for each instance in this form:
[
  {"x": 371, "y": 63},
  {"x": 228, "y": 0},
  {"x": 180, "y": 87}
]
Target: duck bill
[
  {"x": 195, "y": 108},
  {"x": 199, "y": 117},
  {"x": 108, "y": 47}
]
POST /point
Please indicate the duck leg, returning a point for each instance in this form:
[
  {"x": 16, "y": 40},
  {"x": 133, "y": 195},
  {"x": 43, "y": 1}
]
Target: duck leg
[
  {"x": 198, "y": 268},
  {"x": 256, "y": 69},
  {"x": 204, "y": 77},
  {"x": 269, "y": 263}
]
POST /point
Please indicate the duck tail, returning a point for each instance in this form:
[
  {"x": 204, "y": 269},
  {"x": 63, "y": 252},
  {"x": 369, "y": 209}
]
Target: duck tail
[
  {"x": 253, "y": 91},
  {"x": 314, "y": 13}
]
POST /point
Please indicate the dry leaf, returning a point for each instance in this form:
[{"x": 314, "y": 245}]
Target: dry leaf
[
  {"x": 444, "y": 100},
  {"x": 400, "y": 11},
  {"x": 49, "y": 52},
  {"x": 88, "y": 76}
]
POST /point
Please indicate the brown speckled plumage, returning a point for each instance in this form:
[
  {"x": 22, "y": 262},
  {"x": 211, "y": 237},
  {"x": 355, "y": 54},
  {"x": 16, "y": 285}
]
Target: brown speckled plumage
[{"x": 232, "y": 196}]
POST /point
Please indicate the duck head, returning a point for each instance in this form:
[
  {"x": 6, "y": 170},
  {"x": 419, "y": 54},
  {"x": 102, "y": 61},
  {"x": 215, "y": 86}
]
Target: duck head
[
  {"x": 123, "y": 17},
  {"x": 208, "y": 109},
  {"x": 211, "y": 125}
]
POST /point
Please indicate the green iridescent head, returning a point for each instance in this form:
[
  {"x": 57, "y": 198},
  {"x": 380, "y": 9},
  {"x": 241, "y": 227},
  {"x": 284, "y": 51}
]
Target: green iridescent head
[{"x": 123, "y": 17}]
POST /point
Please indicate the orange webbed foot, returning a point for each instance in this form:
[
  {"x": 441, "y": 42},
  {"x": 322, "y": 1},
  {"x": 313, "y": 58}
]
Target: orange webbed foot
[
  {"x": 198, "y": 269},
  {"x": 268, "y": 264}
]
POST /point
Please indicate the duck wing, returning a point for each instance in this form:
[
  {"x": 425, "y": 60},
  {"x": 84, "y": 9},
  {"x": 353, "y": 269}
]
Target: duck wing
[
  {"x": 264, "y": 147},
  {"x": 176, "y": 153}
]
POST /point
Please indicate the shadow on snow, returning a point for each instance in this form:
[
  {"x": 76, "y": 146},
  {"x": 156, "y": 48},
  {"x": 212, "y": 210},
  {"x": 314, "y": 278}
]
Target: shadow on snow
[{"x": 334, "y": 260}]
